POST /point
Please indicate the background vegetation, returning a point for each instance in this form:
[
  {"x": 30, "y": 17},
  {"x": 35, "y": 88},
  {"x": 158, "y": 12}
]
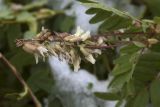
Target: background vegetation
[{"x": 135, "y": 67}]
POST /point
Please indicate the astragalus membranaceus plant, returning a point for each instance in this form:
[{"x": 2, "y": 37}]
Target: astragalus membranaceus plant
[
  {"x": 71, "y": 47},
  {"x": 136, "y": 68}
]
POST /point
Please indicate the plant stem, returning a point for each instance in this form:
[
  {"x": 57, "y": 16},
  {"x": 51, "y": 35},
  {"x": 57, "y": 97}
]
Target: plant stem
[
  {"x": 21, "y": 80},
  {"x": 123, "y": 33},
  {"x": 100, "y": 46}
]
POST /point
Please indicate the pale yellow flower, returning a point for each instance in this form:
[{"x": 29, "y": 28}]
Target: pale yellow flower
[
  {"x": 42, "y": 51},
  {"x": 79, "y": 35}
]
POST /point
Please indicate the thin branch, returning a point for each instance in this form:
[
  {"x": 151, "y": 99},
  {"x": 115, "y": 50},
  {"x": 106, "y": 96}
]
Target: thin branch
[
  {"x": 100, "y": 46},
  {"x": 60, "y": 37},
  {"x": 124, "y": 33},
  {"x": 22, "y": 81},
  {"x": 96, "y": 46}
]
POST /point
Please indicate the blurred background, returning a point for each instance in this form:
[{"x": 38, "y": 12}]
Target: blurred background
[{"x": 25, "y": 18}]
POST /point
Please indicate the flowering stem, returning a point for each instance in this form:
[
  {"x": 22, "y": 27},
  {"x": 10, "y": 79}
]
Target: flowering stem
[
  {"x": 100, "y": 46},
  {"x": 123, "y": 33}
]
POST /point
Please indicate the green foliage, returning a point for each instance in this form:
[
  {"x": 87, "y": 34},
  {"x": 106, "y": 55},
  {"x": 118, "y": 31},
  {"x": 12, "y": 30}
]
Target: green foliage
[
  {"x": 136, "y": 69},
  {"x": 154, "y": 91},
  {"x": 62, "y": 23},
  {"x": 16, "y": 13},
  {"x": 124, "y": 66},
  {"x": 108, "y": 96},
  {"x": 18, "y": 20},
  {"x": 6, "y": 13},
  {"x": 153, "y": 6},
  {"x": 141, "y": 99},
  {"x": 112, "y": 18},
  {"x": 35, "y": 4},
  {"x": 43, "y": 81}
]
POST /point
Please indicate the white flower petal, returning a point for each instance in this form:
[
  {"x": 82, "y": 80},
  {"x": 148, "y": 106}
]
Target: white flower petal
[
  {"x": 75, "y": 39},
  {"x": 36, "y": 58},
  {"x": 54, "y": 53},
  {"x": 90, "y": 59},
  {"x": 72, "y": 38},
  {"x": 98, "y": 51},
  {"x": 87, "y": 54},
  {"x": 85, "y": 36},
  {"x": 84, "y": 51},
  {"x": 76, "y": 64},
  {"x": 100, "y": 40},
  {"x": 42, "y": 50},
  {"x": 152, "y": 41},
  {"x": 76, "y": 60},
  {"x": 79, "y": 31},
  {"x": 42, "y": 28},
  {"x": 41, "y": 53}
]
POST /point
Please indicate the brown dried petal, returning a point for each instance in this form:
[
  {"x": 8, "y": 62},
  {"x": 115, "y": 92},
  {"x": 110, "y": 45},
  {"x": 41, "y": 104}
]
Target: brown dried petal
[{"x": 30, "y": 48}]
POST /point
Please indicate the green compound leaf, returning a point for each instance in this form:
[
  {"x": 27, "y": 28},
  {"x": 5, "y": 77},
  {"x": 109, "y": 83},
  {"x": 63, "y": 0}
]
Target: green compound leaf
[
  {"x": 155, "y": 93},
  {"x": 107, "y": 96},
  {"x": 142, "y": 99}
]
